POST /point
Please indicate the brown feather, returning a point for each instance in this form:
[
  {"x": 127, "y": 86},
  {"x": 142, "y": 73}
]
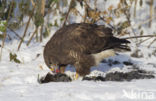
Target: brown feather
[{"x": 74, "y": 44}]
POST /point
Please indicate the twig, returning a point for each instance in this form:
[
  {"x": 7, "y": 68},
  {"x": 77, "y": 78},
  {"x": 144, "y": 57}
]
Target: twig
[
  {"x": 50, "y": 9},
  {"x": 9, "y": 37},
  {"x": 26, "y": 29},
  {"x": 143, "y": 22},
  {"x": 15, "y": 33},
  {"x": 151, "y": 43},
  {"x": 151, "y": 12},
  {"x": 127, "y": 14},
  {"x": 32, "y": 36},
  {"x": 48, "y": 30},
  {"x": 42, "y": 12},
  {"x": 144, "y": 46},
  {"x": 37, "y": 35},
  {"x": 41, "y": 33},
  {"x": 145, "y": 40},
  {"x": 42, "y": 7},
  {"x": 135, "y": 5},
  {"x": 32, "y": 1},
  {"x": 5, "y": 32},
  {"x": 102, "y": 18},
  {"x": 139, "y": 36},
  {"x": 86, "y": 7},
  {"x": 68, "y": 12}
]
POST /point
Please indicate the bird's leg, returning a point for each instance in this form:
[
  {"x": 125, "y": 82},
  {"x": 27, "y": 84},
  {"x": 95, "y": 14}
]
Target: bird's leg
[
  {"x": 62, "y": 69},
  {"x": 76, "y": 76}
]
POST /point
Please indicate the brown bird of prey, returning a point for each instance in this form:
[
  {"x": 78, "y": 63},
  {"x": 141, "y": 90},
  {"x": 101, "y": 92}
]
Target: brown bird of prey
[{"x": 82, "y": 45}]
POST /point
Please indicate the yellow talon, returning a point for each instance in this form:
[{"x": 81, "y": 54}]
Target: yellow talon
[
  {"x": 52, "y": 68},
  {"x": 76, "y": 76}
]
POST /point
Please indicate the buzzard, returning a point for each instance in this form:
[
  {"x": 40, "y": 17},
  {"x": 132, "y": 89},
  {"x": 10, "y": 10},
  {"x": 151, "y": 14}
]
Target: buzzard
[{"x": 82, "y": 45}]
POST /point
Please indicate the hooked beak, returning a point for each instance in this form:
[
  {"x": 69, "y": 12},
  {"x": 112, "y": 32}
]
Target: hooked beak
[{"x": 54, "y": 69}]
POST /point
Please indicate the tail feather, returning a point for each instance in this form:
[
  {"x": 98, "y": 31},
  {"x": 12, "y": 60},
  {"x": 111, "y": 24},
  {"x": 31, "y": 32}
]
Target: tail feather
[
  {"x": 119, "y": 44},
  {"x": 122, "y": 48},
  {"x": 119, "y": 41}
]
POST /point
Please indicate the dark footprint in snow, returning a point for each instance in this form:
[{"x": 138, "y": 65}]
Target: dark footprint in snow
[
  {"x": 120, "y": 76},
  {"x": 59, "y": 77}
]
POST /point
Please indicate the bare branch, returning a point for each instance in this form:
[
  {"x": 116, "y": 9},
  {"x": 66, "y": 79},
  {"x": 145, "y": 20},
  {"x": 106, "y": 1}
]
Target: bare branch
[
  {"x": 135, "y": 5},
  {"x": 145, "y": 40},
  {"x": 151, "y": 43},
  {"x": 144, "y": 22},
  {"x": 32, "y": 36},
  {"x": 26, "y": 29},
  {"x": 68, "y": 12},
  {"x": 32, "y": 1},
  {"x": 132, "y": 37},
  {"x": 5, "y": 32},
  {"x": 42, "y": 7},
  {"x": 151, "y": 12},
  {"x": 42, "y": 12},
  {"x": 15, "y": 33}
]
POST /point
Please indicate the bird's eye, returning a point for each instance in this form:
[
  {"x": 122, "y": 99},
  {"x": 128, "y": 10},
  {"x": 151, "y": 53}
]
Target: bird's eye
[{"x": 50, "y": 63}]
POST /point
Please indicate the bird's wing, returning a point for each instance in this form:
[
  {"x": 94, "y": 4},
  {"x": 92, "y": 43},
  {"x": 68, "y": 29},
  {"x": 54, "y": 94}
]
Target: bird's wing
[
  {"x": 86, "y": 38},
  {"x": 91, "y": 38}
]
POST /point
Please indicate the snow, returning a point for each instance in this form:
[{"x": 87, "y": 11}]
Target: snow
[{"x": 18, "y": 82}]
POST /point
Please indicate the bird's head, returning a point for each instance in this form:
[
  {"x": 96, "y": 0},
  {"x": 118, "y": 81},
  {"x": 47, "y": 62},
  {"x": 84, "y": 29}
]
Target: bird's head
[
  {"x": 49, "y": 61},
  {"x": 54, "y": 68}
]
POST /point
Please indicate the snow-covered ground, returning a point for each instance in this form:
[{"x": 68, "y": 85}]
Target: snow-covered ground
[{"x": 18, "y": 82}]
